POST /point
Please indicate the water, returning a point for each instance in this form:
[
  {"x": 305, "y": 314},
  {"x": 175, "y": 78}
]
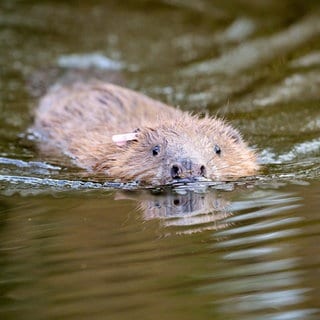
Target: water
[{"x": 73, "y": 248}]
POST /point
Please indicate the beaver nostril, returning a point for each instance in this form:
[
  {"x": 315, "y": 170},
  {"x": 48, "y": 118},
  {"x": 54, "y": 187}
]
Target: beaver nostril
[
  {"x": 203, "y": 171},
  {"x": 175, "y": 171}
]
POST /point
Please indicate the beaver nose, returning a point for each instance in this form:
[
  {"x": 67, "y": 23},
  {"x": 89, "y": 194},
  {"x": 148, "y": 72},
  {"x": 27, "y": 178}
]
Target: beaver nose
[
  {"x": 176, "y": 171},
  {"x": 186, "y": 168}
]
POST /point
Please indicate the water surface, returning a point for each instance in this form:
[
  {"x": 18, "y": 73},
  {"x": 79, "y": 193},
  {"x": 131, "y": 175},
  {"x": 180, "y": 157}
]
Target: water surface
[{"x": 74, "y": 248}]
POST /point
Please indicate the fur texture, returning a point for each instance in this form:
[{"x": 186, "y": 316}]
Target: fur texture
[{"x": 80, "y": 121}]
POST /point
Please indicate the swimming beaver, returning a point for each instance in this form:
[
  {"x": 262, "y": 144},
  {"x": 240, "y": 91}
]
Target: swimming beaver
[{"x": 125, "y": 135}]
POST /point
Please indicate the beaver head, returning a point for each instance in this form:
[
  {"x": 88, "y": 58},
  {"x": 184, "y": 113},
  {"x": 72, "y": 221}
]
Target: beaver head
[{"x": 185, "y": 149}]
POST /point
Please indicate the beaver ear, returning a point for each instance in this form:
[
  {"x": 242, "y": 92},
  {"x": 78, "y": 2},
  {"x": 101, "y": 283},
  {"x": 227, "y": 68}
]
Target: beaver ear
[
  {"x": 235, "y": 135},
  {"x": 124, "y": 138}
]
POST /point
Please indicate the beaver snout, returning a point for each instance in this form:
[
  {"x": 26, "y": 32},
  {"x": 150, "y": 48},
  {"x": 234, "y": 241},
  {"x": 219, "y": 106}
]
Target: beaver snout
[{"x": 186, "y": 168}]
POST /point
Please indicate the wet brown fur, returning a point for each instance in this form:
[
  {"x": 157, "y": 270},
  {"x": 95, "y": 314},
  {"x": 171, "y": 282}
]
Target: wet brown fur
[{"x": 80, "y": 120}]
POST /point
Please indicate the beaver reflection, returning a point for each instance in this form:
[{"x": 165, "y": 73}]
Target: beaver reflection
[{"x": 187, "y": 208}]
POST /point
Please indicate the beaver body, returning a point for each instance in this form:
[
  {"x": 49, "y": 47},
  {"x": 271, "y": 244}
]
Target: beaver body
[{"x": 160, "y": 144}]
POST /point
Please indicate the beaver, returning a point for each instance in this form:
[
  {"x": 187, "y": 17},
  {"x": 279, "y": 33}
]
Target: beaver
[{"x": 127, "y": 136}]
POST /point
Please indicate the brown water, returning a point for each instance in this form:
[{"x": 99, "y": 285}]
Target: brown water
[{"x": 77, "y": 249}]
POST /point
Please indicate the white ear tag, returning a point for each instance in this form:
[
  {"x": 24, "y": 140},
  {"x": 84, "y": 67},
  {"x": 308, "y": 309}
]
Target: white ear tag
[{"x": 121, "y": 139}]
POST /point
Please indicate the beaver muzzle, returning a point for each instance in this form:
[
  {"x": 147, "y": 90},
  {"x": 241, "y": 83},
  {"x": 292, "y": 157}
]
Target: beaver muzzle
[{"x": 187, "y": 169}]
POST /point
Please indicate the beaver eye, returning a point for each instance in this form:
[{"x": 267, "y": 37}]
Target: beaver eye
[
  {"x": 217, "y": 149},
  {"x": 155, "y": 150}
]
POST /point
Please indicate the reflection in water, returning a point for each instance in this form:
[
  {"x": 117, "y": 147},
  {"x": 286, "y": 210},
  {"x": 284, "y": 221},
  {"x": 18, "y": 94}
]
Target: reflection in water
[{"x": 190, "y": 210}]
